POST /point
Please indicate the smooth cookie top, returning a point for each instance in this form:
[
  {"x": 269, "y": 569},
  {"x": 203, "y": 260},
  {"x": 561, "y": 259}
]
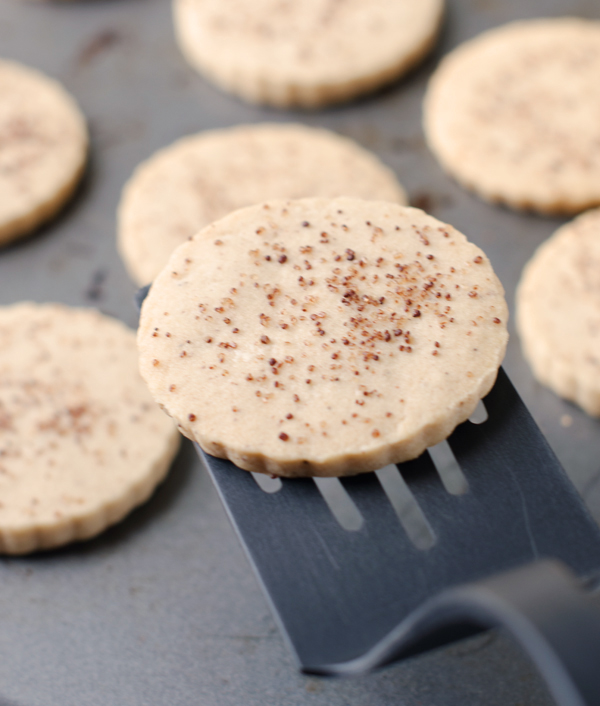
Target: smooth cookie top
[
  {"x": 322, "y": 337},
  {"x": 513, "y": 114},
  {"x": 558, "y": 312},
  {"x": 203, "y": 177},
  {"x": 307, "y": 53},
  {"x": 43, "y": 148}
]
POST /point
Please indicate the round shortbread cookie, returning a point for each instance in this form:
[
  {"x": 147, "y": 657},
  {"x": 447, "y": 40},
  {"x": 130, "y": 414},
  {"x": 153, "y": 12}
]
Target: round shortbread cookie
[
  {"x": 43, "y": 149},
  {"x": 558, "y": 312},
  {"x": 308, "y": 54},
  {"x": 322, "y": 337},
  {"x": 513, "y": 114},
  {"x": 202, "y": 178},
  {"x": 81, "y": 440}
]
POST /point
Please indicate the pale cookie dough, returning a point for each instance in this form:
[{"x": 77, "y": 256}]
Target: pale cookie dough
[
  {"x": 513, "y": 114},
  {"x": 81, "y": 440},
  {"x": 43, "y": 149},
  {"x": 322, "y": 337},
  {"x": 558, "y": 312},
  {"x": 202, "y": 178},
  {"x": 309, "y": 54}
]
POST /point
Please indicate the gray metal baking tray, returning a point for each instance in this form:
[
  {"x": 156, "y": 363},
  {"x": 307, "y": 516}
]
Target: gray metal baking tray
[{"x": 163, "y": 609}]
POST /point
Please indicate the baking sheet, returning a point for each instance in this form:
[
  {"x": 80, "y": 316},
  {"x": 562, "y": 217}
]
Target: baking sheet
[{"x": 163, "y": 609}]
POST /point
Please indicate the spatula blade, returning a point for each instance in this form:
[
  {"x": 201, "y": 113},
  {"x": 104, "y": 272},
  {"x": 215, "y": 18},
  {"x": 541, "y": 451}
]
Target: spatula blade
[{"x": 335, "y": 593}]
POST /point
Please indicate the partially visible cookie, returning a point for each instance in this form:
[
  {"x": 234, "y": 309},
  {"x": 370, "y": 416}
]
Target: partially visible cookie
[
  {"x": 322, "y": 337},
  {"x": 201, "y": 178},
  {"x": 81, "y": 440},
  {"x": 43, "y": 149},
  {"x": 513, "y": 114},
  {"x": 308, "y": 54},
  {"x": 558, "y": 312}
]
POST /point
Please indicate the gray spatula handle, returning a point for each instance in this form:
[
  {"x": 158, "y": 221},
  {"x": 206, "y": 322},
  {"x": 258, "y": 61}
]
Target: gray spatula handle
[
  {"x": 556, "y": 622},
  {"x": 542, "y": 605}
]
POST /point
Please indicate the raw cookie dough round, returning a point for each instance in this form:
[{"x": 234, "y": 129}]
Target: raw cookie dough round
[
  {"x": 558, "y": 312},
  {"x": 322, "y": 337},
  {"x": 81, "y": 440},
  {"x": 513, "y": 114},
  {"x": 308, "y": 54},
  {"x": 202, "y": 178},
  {"x": 43, "y": 149}
]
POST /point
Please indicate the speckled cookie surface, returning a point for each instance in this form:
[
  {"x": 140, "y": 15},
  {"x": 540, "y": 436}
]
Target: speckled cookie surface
[
  {"x": 43, "y": 149},
  {"x": 558, "y": 312},
  {"x": 307, "y": 53},
  {"x": 81, "y": 440},
  {"x": 322, "y": 337},
  {"x": 513, "y": 114},
  {"x": 202, "y": 178}
]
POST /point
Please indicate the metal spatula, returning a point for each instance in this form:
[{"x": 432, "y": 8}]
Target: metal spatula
[{"x": 494, "y": 552}]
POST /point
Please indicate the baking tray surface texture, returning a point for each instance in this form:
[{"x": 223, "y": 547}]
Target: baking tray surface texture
[{"x": 163, "y": 608}]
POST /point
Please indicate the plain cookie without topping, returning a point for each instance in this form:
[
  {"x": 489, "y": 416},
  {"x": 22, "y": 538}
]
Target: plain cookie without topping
[
  {"x": 513, "y": 114},
  {"x": 322, "y": 337},
  {"x": 81, "y": 440},
  {"x": 203, "y": 177},
  {"x": 43, "y": 149},
  {"x": 558, "y": 312},
  {"x": 307, "y": 54}
]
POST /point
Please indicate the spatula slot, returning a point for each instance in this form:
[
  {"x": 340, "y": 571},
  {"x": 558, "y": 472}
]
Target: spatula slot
[
  {"x": 267, "y": 483},
  {"x": 450, "y": 473},
  {"x": 480, "y": 414},
  {"x": 407, "y": 509},
  {"x": 340, "y": 503}
]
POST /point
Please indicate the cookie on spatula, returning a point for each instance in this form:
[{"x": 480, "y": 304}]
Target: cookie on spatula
[{"x": 322, "y": 337}]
